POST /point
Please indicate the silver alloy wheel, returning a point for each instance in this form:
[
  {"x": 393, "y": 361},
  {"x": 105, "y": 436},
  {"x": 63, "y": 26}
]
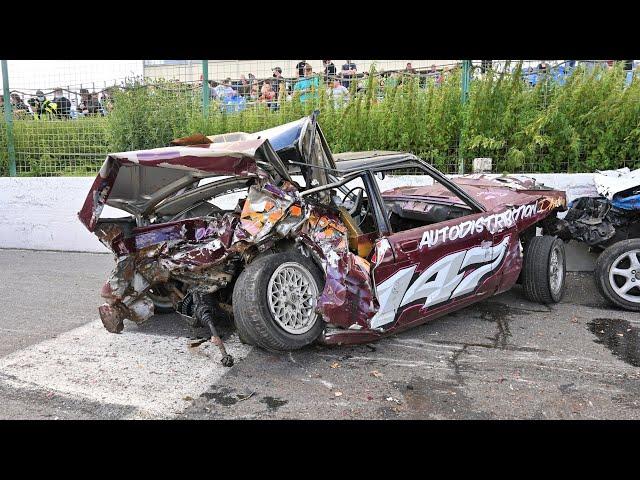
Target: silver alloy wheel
[
  {"x": 556, "y": 271},
  {"x": 291, "y": 295},
  {"x": 624, "y": 276}
]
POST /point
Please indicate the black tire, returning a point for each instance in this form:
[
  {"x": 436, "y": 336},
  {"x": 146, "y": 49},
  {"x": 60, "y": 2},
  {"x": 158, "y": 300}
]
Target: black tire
[
  {"x": 601, "y": 273},
  {"x": 537, "y": 269},
  {"x": 251, "y": 312}
]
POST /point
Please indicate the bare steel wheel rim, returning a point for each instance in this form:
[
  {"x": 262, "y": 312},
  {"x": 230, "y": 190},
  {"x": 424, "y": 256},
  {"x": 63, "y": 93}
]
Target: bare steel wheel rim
[
  {"x": 624, "y": 276},
  {"x": 556, "y": 271},
  {"x": 292, "y": 294}
]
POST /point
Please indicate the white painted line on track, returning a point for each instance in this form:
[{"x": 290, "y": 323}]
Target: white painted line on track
[{"x": 151, "y": 372}]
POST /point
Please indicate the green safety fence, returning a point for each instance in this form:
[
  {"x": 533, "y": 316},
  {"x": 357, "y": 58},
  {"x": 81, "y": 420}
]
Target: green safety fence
[{"x": 560, "y": 118}]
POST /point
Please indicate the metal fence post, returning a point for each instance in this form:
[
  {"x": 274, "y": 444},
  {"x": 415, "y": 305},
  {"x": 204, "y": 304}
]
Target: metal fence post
[
  {"x": 205, "y": 87},
  {"x": 8, "y": 117},
  {"x": 466, "y": 78}
]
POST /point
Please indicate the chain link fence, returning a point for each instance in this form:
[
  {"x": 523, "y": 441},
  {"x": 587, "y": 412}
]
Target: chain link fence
[{"x": 527, "y": 116}]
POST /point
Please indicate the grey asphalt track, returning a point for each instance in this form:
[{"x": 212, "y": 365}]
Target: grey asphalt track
[{"x": 502, "y": 358}]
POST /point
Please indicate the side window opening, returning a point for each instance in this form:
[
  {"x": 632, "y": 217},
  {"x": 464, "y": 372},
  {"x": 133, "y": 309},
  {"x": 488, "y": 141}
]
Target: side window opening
[{"x": 424, "y": 202}]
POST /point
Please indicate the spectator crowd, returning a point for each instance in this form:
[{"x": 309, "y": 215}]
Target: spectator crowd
[
  {"x": 59, "y": 106},
  {"x": 338, "y": 83},
  {"x": 306, "y": 84}
]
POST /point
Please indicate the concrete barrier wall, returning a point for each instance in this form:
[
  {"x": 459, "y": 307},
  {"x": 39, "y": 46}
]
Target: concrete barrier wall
[{"x": 41, "y": 213}]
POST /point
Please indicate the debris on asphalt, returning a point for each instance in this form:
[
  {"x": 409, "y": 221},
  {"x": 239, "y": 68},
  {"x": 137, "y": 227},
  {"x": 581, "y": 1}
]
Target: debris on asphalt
[
  {"x": 335, "y": 365},
  {"x": 246, "y": 397},
  {"x": 198, "y": 342},
  {"x": 337, "y": 394},
  {"x": 376, "y": 374}
]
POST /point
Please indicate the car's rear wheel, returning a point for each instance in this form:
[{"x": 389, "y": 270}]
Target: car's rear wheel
[
  {"x": 617, "y": 274},
  {"x": 544, "y": 269},
  {"x": 274, "y": 301}
]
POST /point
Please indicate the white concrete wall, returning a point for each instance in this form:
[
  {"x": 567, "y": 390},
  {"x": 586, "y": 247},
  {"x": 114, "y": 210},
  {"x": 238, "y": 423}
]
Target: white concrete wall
[{"x": 41, "y": 213}]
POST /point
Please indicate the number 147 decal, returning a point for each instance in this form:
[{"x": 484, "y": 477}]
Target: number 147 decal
[{"x": 442, "y": 281}]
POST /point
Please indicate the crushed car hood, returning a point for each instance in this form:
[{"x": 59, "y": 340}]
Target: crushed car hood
[
  {"x": 129, "y": 180},
  {"x": 136, "y": 181}
]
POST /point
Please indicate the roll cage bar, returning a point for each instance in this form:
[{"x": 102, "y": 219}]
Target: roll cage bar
[{"x": 373, "y": 165}]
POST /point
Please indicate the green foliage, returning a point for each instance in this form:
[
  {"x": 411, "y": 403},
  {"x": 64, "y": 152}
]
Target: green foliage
[
  {"x": 590, "y": 122},
  {"x": 149, "y": 116},
  {"x": 56, "y": 147}
]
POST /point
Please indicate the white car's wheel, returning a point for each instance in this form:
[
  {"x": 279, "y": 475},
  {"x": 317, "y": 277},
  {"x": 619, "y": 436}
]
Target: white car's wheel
[{"x": 617, "y": 274}]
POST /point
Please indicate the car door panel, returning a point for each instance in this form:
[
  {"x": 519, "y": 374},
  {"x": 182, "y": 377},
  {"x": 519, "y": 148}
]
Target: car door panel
[{"x": 436, "y": 269}]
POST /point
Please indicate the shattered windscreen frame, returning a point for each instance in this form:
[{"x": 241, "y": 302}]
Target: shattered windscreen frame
[{"x": 316, "y": 153}]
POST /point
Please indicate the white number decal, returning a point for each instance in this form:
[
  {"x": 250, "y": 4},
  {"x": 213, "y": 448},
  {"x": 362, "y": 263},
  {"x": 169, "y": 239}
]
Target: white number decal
[{"x": 448, "y": 280}]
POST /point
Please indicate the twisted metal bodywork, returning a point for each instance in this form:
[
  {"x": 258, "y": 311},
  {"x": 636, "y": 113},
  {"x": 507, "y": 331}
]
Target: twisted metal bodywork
[{"x": 376, "y": 283}]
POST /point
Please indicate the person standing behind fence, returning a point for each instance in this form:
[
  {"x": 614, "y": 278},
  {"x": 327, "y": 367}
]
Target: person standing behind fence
[
  {"x": 307, "y": 86},
  {"x": 225, "y": 90},
  {"x": 242, "y": 86},
  {"x": 329, "y": 71},
  {"x": 267, "y": 95},
  {"x": 41, "y": 106},
  {"x": 255, "y": 90},
  {"x": 89, "y": 104},
  {"x": 349, "y": 71},
  {"x": 300, "y": 68},
  {"x": 338, "y": 92},
  {"x": 63, "y": 104},
  {"x": 20, "y": 109},
  {"x": 278, "y": 80}
]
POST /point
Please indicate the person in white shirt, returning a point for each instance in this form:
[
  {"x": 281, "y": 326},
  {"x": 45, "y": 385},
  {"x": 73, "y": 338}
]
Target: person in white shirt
[
  {"x": 225, "y": 90},
  {"x": 339, "y": 92}
]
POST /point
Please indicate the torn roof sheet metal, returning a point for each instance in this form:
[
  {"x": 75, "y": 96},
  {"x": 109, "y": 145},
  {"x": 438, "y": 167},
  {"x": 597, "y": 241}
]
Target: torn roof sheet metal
[
  {"x": 282, "y": 137},
  {"x": 230, "y": 158}
]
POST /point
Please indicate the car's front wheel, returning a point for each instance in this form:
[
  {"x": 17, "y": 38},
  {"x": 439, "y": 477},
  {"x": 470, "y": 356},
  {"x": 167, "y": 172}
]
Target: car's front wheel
[
  {"x": 544, "y": 269},
  {"x": 274, "y": 301}
]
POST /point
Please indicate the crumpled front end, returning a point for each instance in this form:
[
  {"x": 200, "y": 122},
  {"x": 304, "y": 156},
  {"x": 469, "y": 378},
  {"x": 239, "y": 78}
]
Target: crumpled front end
[{"x": 206, "y": 254}]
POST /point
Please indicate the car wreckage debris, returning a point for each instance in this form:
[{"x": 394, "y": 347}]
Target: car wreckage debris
[{"x": 609, "y": 218}]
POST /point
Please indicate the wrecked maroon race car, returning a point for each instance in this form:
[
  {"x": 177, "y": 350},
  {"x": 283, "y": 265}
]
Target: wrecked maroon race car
[{"x": 300, "y": 245}]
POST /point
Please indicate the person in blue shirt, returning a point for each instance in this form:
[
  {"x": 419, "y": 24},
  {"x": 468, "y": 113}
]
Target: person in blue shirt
[{"x": 307, "y": 86}]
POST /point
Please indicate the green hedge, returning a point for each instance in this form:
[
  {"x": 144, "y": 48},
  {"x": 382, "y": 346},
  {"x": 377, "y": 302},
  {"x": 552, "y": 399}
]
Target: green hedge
[{"x": 590, "y": 122}]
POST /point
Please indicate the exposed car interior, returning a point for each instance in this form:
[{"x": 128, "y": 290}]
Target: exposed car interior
[
  {"x": 408, "y": 214},
  {"x": 406, "y": 211}
]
